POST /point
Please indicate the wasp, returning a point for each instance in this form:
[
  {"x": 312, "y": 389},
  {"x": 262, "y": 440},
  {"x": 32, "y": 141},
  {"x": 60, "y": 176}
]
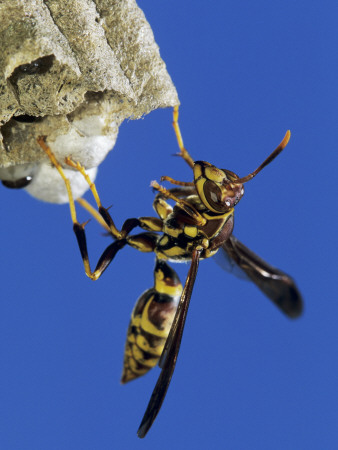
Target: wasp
[{"x": 197, "y": 226}]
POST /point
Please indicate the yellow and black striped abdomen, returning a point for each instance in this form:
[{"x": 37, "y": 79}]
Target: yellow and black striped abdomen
[{"x": 150, "y": 322}]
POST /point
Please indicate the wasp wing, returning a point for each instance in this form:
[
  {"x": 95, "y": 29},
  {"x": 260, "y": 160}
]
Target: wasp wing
[
  {"x": 227, "y": 263},
  {"x": 170, "y": 352},
  {"x": 274, "y": 283}
]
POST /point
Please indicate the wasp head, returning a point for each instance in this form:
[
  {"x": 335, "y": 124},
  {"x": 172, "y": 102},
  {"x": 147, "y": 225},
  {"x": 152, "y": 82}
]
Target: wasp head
[
  {"x": 220, "y": 189},
  {"x": 217, "y": 188}
]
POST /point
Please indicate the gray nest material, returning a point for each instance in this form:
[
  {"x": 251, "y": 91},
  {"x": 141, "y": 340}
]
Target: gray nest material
[{"x": 72, "y": 71}]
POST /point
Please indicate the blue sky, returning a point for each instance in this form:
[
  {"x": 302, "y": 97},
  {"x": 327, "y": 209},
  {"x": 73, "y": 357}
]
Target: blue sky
[{"x": 246, "y": 377}]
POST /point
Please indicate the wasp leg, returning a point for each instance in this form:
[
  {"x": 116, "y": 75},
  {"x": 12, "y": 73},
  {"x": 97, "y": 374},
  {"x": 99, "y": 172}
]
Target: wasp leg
[
  {"x": 103, "y": 211},
  {"x": 146, "y": 223},
  {"x": 177, "y": 182},
  {"x": 186, "y": 206},
  {"x": 106, "y": 257},
  {"x": 163, "y": 208},
  {"x": 180, "y": 192},
  {"x": 183, "y": 151},
  {"x": 93, "y": 212},
  {"x": 110, "y": 252},
  {"x": 150, "y": 322},
  {"x": 144, "y": 242},
  {"x": 150, "y": 223},
  {"x": 42, "y": 142}
]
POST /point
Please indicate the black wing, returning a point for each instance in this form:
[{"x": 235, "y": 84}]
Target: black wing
[
  {"x": 275, "y": 284},
  {"x": 172, "y": 346}
]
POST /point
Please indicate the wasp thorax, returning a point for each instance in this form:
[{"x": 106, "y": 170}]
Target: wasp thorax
[{"x": 217, "y": 188}]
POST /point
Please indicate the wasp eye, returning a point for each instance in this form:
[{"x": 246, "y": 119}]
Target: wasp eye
[{"x": 213, "y": 195}]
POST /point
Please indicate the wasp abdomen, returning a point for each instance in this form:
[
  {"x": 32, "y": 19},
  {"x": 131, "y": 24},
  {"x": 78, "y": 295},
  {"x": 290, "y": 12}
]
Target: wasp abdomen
[{"x": 150, "y": 323}]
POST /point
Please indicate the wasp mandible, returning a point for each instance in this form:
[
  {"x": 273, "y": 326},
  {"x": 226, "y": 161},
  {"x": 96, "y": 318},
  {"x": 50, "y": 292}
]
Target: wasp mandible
[{"x": 198, "y": 226}]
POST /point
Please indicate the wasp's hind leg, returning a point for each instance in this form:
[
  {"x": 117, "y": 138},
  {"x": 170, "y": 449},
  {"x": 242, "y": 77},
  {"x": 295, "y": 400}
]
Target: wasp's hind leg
[
  {"x": 110, "y": 252},
  {"x": 42, "y": 142},
  {"x": 150, "y": 322},
  {"x": 127, "y": 227}
]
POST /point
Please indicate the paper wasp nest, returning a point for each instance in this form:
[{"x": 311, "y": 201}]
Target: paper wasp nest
[{"x": 72, "y": 71}]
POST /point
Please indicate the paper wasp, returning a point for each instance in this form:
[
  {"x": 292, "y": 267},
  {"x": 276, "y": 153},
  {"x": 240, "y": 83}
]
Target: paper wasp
[{"x": 198, "y": 226}]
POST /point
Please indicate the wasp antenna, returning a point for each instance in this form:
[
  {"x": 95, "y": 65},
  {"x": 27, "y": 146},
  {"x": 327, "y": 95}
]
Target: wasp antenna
[
  {"x": 286, "y": 138},
  {"x": 268, "y": 160}
]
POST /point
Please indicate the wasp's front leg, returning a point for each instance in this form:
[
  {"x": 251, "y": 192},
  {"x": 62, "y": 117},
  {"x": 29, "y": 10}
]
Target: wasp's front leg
[
  {"x": 175, "y": 194},
  {"x": 163, "y": 208},
  {"x": 183, "y": 151}
]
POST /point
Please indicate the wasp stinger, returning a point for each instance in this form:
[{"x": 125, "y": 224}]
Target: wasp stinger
[{"x": 199, "y": 225}]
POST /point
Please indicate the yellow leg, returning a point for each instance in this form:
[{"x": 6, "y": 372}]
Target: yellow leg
[
  {"x": 54, "y": 161},
  {"x": 81, "y": 169},
  {"x": 176, "y": 182},
  {"x": 187, "y": 207},
  {"x": 183, "y": 151},
  {"x": 93, "y": 212},
  {"x": 106, "y": 221},
  {"x": 42, "y": 142},
  {"x": 76, "y": 165}
]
